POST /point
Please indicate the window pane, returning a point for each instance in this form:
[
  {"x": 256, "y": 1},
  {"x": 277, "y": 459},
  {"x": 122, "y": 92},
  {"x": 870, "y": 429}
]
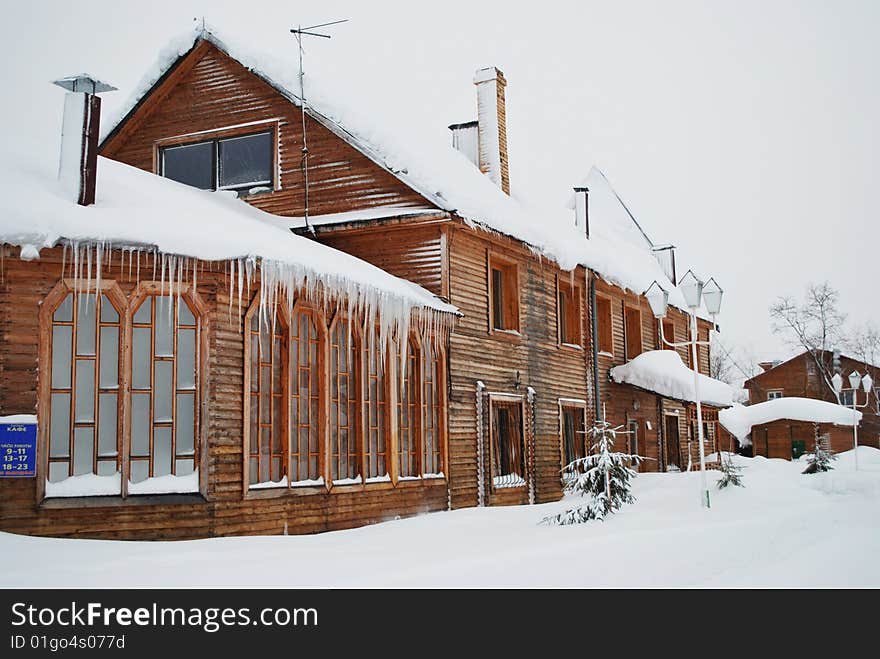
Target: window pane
[
  {"x": 61, "y": 347},
  {"x": 186, "y": 358},
  {"x": 109, "y": 376},
  {"x": 184, "y": 315},
  {"x": 64, "y": 312},
  {"x": 162, "y": 392},
  {"x": 108, "y": 311},
  {"x": 59, "y": 428},
  {"x": 85, "y": 325},
  {"x": 140, "y": 363},
  {"x": 58, "y": 471},
  {"x": 161, "y": 451},
  {"x": 164, "y": 327},
  {"x": 83, "y": 450},
  {"x": 107, "y": 468},
  {"x": 140, "y": 469},
  {"x": 184, "y": 467},
  {"x": 143, "y": 314},
  {"x": 85, "y": 390},
  {"x": 185, "y": 427},
  {"x": 140, "y": 424},
  {"x": 246, "y": 161},
  {"x": 192, "y": 164},
  {"x": 107, "y": 424}
]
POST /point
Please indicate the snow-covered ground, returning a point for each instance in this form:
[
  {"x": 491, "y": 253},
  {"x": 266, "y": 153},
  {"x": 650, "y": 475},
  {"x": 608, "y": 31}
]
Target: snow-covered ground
[{"x": 783, "y": 529}]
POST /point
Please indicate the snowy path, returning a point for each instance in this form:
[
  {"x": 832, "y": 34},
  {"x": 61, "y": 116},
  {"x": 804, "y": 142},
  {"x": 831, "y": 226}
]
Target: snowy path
[{"x": 782, "y": 530}]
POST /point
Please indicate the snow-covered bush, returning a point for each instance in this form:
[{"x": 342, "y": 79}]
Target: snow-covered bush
[
  {"x": 819, "y": 460},
  {"x": 731, "y": 474},
  {"x": 604, "y": 478}
]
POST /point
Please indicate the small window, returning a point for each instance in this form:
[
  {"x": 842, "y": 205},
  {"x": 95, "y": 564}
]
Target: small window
[
  {"x": 774, "y": 394},
  {"x": 504, "y": 294},
  {"x": 231, "y": 163},
  {"x": 877, "y": 399},
  {"x": 633, "y": 436},
  {"x": 573, "y": 434},
  {"x": 846, "y": 398},
  {"x": 632, "y": 318},
  {"x": 508, "y": 449},
  {"x": 568, "y": 313},
  {"x": 603, "y": 325}
]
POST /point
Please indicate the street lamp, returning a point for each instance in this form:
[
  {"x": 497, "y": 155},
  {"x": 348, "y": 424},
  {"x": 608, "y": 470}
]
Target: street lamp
[
  {"x": 855, "y": 379},
  {"x": 694, "y": 291}
]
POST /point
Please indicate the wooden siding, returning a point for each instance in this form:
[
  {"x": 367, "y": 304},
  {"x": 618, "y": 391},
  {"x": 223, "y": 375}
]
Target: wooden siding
[
  {"x": 223, "y": 510},
  {"x": 210, "y": 91},
  {"x": 495, "y": 358},
  {"x": 410, "y": 252},
  {"x": 774, "y": 440}
]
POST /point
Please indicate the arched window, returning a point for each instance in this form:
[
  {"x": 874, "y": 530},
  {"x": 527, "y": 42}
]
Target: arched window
[
  {"x": 305, "y": 397},
  {"x": 408, "y": 413},
  {"x": 432, "y": 431},
  {"x": 267, "y": 343},
  {"x": 344, "y": 403},
  {"x": 164, "y": 394},
  {"x": 376, "y": 423},
  {"x": 84, "y": 407}
]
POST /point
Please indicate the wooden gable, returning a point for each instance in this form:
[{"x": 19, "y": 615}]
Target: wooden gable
[{"x": 208, "y": 91}]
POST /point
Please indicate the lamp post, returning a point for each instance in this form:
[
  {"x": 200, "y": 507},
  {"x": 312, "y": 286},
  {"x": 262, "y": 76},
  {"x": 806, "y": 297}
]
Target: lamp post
[
  {"x": 694, "y": 291},
  {"x": 855, "y": 379}
]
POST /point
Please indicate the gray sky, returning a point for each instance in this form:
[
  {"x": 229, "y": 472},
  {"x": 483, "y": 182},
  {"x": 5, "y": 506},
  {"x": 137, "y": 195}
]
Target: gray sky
[{"x": 745, "y": 133}]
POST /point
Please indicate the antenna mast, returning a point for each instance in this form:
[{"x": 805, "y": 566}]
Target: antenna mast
[{"x": 300, "y": 32}]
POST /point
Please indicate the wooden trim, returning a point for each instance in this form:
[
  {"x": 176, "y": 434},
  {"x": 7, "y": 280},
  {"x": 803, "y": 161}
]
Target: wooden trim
[
  {"x": 152, "y": 99},
  {"x": 510, "y": 274},
  {"x": 60, "y": 292},
  {"x": 272, "y": 126},
  {"x": 284, "y": 319},
  {"x": 508, "y": 399},
  {"x": 562, "y": 405}
]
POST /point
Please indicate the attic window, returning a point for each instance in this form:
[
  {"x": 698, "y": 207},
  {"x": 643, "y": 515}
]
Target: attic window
[{"x": 240, "y": 162}]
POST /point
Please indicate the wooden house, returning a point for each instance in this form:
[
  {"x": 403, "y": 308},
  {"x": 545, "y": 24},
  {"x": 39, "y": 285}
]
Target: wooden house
[
  {"x": 491, "y": 368},
  {"x": 800, "y": 376}
]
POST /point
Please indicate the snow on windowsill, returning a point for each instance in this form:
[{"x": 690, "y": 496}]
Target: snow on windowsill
[
  {"x": 379, "y": 479},
  {"x": 268, "y": 484},
  {"x": 439, "y": 474},
  {"x": 409, "y": 478},
  {"x": 313, "y": 482},
  {"x": 168, "y": 484},
  {"x": 508, "y": 481},
  {"x": 85, "y": 485},
  {"x": 348, "y": 481}
]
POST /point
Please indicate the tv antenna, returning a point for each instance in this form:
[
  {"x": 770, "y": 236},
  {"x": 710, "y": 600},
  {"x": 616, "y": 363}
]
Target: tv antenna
[{"x": 301, "y": 32}]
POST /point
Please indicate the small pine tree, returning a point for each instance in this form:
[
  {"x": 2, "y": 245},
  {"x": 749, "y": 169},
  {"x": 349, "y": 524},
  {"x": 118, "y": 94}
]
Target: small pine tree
[
  {"x": 731, "y": 474},
  {"x": 820, "y": 459},
  {"x": 603, "y": 477}
]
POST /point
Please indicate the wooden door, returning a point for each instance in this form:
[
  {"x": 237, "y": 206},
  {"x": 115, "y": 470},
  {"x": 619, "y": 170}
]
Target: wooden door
[{"x": 673, "y": 452}]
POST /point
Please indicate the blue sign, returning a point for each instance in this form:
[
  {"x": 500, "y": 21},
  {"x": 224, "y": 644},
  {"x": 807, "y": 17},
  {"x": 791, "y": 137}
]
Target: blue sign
[{"x": 18, "y": 450}]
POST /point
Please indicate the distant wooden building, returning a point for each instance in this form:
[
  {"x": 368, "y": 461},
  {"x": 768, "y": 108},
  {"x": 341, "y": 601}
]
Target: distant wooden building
[{"x": 801, "y": 377}]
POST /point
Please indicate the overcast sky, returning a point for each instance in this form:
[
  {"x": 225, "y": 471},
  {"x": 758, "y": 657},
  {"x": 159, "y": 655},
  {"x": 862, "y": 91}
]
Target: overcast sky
[{"x": 746, "y": 133}]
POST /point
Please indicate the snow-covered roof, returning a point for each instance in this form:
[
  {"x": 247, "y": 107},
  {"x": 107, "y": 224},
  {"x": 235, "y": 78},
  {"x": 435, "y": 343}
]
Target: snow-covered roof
[
  {"x": 663, "y": 372},
  {"x": 138, "y": 209},
  {"x": 441, "y": 174},
  {"x": 739, "y": 419}
]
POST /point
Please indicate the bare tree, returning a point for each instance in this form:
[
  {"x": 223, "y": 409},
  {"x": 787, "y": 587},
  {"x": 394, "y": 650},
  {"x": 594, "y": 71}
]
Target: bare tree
[
  {"x": 864, "y": 345},
  {"x": 732, "y": 365},
  {"x": 814, "y": 325}
]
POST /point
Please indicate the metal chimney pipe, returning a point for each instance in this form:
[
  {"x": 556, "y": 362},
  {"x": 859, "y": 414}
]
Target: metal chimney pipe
[
  {"x": 582, "y": 209},
  {"x": 78, "y": 166}
]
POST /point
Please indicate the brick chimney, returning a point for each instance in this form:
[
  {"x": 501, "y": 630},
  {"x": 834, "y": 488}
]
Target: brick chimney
[
  {"x": 484, "y": 141},
  {"x": 492, "y": 124},
  {"x": 80, "y": 126}
]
